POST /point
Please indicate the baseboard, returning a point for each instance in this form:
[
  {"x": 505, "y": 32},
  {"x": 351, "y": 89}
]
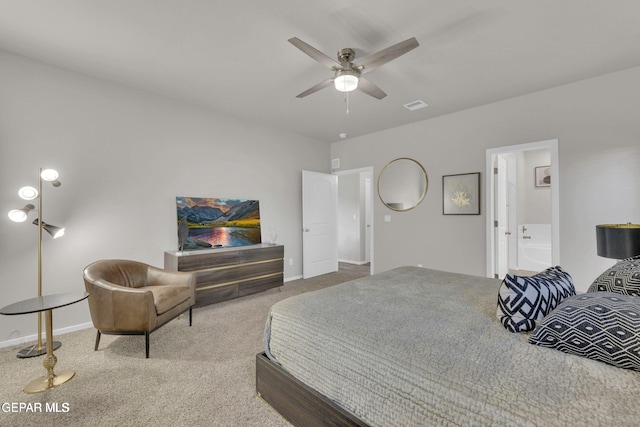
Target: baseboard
[
  {"x": 34, "y": 337},
  {"x": 289, "y": 279}
]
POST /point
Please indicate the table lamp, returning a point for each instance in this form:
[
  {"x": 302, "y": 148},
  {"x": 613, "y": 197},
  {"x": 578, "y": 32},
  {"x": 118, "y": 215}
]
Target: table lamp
[{"x": 618, "y": 241}]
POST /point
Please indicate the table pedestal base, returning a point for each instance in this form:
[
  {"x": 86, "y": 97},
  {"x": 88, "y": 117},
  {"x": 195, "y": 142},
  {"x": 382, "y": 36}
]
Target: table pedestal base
[
  {"x": 32, "y": 351},
  {"x": 45, "y": 383},
  {"x": 47, "y": 304}
]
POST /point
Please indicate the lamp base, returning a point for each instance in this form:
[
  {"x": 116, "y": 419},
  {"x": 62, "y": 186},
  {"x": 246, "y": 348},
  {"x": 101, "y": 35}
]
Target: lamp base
[
  {"x": 44, "y": 383},
  {"x": 34, "y": 351}
]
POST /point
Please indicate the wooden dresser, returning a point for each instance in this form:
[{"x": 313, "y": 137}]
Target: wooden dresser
[{"x": 227, "y": 273}]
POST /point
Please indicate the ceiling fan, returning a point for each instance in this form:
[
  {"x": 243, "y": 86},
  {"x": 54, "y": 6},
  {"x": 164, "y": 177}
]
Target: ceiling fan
[{"x": 347, "y": 75}]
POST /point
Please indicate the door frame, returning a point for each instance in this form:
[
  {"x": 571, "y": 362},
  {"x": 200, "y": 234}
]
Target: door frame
[
  {"x": 552, "y": 146},
  {"x": 502, "y": 203},
  {"x": 368, "y": 209}
]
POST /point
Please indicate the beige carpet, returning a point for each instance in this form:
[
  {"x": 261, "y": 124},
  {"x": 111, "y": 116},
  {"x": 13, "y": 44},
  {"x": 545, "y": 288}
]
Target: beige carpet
[{"x": 202, "y": 375}]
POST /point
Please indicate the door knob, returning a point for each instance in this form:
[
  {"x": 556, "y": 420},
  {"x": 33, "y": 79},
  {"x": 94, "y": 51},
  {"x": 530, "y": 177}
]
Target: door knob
[
  {"x": 507, "y": 233},
  {"x": 306, "y": 230}
]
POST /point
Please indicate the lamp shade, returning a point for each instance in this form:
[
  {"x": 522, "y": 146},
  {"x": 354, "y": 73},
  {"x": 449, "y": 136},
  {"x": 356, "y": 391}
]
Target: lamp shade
[
  {"x": 50, "y": 175},
  {"x": 20, "y": 215},
  {"x": 53, "y": 230},
  {"x": 618, "y": 241},
  {"x": 28, "y": 193}
]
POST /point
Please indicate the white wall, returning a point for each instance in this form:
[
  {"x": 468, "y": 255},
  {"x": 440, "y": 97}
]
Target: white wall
[
  {"x": 123, "y": 156},
  {"x": 348, "y": 217},
  {"x": 352, "y": 217},
  {"x": 534, "y": 203},
  {"x": 595, "y": 122}
]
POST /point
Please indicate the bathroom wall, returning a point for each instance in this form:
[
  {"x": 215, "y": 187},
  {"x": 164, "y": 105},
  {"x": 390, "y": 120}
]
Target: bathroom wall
[{"x": 533, "y": 203}]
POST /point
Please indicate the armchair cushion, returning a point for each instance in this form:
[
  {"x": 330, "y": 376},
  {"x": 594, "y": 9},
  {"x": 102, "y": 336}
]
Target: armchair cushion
[{"x": 165, "y": 297}]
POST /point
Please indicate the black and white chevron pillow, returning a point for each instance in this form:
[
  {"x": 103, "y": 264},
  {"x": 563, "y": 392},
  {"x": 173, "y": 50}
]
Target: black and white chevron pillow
[
  {"x": 598, "y": 325},
  {"x": 622, "y": 278},
  {"x": 524, "y": 300}
]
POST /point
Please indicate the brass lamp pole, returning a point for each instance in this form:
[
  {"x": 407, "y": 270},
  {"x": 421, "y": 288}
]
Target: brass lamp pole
[{"x": 40, "y": 348}]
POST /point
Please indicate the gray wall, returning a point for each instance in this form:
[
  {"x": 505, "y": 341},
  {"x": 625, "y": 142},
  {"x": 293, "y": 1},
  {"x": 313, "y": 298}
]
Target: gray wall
[
  {"x": 123, "y": 156},
  {"x": 595, "y": 122}
]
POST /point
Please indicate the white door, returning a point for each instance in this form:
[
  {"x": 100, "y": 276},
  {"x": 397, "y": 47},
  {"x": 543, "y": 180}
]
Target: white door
[
  {"x": 501, "y": 224},
  {"x": 319, "y": 224}
]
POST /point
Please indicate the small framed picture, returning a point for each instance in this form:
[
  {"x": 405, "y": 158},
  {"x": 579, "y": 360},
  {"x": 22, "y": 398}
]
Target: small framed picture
[
  {"x": 543, "y": 176},
  {"x": 461, "y": 194}
]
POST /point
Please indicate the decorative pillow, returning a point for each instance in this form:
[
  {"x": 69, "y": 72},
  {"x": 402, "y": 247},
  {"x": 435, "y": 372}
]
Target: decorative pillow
[
  {"x": 598, "y": 325},
  {"x": 622, "y": 278},
  {"x": 523, "y": 300}
]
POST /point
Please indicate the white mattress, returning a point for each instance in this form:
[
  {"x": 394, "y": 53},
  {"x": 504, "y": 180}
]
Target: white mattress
[{"x": 414, "y": 346}]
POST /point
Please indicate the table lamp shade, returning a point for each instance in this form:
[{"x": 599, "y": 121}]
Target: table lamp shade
[{"x": 618, "y": 241}]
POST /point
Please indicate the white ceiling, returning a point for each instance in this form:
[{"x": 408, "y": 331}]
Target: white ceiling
[{"x": 233, "y": 56}]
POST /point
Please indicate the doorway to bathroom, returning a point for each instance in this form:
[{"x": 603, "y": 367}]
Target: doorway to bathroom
[
  {"x": 522, "y": 230},
  {"x": 355, "y": 219}
]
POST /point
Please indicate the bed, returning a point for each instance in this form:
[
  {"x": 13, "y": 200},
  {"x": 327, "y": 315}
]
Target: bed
[{"x": 414, "y": 346}]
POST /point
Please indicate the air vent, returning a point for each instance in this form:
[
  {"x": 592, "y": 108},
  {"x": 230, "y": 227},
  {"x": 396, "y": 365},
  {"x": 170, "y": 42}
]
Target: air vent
[{"x": 415, "y": 105}]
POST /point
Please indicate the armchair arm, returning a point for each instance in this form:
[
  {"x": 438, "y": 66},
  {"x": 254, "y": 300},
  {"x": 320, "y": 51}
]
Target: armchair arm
[{"x": 159, "y": 277}]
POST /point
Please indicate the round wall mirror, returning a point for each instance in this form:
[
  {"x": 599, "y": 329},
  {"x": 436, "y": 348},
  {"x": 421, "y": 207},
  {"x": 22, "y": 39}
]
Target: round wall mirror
[{"x": 402, "y": 184}]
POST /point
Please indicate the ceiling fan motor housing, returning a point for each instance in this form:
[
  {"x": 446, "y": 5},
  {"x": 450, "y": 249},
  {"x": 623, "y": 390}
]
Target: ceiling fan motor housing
[{"x": 346, "y": 55}]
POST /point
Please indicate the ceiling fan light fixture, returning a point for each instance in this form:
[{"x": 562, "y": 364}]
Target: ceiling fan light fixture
[{"x": 346, "y": 81}]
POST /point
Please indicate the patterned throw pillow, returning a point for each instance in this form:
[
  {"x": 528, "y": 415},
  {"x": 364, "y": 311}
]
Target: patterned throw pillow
[
  {"x": 523, "y": 300},
  {"x": 599, "y": 325},
  {"x": 622, "y": 278}
]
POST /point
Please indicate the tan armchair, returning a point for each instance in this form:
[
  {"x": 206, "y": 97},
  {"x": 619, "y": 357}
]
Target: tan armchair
[{"x": 132, "y": 298}]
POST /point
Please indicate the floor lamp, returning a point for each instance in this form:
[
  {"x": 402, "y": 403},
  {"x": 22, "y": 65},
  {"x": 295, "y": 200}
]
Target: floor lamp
[{"x": 20, "y": 215}]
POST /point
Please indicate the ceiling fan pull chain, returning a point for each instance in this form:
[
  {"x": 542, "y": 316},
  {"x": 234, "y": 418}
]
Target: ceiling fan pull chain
[{"x": 346, "y": 99}]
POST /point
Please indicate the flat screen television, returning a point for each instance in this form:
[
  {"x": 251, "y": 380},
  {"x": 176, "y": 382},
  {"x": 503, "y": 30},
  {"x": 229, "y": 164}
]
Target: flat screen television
[{"x": 218, "y": 222}]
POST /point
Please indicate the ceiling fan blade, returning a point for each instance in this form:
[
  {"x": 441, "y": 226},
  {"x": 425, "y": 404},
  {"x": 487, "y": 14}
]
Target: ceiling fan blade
[
  {"x": 370, "y": 89},
  {"x": 314, "y": 89},
  {"x": 314, "y": 53},
  {"x": 372, "y": 62}
]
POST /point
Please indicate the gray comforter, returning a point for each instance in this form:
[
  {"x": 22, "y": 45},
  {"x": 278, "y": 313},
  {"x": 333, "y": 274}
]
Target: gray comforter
[{"x": 414, "y": 346}]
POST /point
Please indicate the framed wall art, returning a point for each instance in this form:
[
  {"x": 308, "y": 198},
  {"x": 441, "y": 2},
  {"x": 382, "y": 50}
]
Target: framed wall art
[
  {"x": 461, "y": 194},
  {"x": 543, "y": 176}
]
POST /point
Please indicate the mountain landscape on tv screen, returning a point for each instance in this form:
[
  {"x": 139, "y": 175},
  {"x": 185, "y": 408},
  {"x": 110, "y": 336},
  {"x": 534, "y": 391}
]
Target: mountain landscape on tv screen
[{"x": 219, "y": 222}]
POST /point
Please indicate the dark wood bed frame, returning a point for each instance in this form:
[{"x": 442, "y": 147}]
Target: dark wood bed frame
[{"x": 298, "y": 403}]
